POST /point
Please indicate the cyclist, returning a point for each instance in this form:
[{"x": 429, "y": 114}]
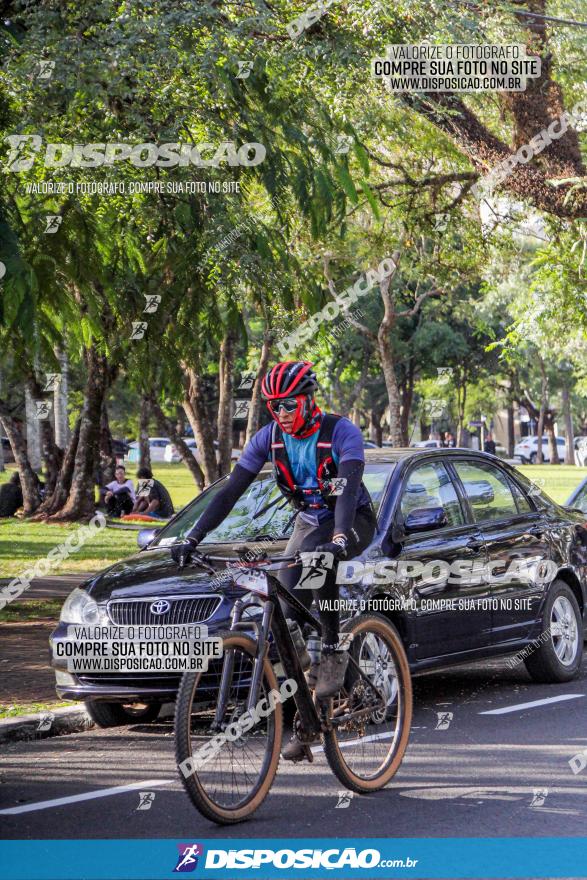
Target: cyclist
[{"x": 318, "y": 461}]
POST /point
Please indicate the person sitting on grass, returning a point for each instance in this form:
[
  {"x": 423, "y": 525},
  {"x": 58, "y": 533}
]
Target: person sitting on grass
[
  {"x": 119, "y": 495},
  {"x": 153, "y": 499},
  {"x": 11, "y": 496}
]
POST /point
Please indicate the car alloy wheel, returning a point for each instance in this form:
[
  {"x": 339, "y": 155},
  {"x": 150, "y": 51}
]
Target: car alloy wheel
[{"x": 564, "y": 631}]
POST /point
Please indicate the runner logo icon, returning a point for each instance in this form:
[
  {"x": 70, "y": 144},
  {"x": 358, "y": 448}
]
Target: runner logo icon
[
  {"x": 188, "y": 857},
  {"x": 315, "y": 567}
]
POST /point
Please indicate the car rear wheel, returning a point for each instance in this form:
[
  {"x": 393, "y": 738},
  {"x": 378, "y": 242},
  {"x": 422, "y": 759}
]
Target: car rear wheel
[
  {"x": 556, "y": 657},
  {"x": 118, "y": 714},
  {"x": 532, "y": 458}
]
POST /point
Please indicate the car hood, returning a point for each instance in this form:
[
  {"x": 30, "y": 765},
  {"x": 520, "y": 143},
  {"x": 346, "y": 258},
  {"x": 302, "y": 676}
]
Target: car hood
[{"x": 154, "y": 573}]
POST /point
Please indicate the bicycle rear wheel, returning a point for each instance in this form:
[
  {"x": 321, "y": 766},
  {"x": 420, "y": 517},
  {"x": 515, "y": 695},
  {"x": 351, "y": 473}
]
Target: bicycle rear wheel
[
  {"x": 365, "y": 751},
  {"x": 227, "y": 774}
]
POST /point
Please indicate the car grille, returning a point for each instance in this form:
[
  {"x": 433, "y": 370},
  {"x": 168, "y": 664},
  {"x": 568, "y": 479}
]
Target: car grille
[{"x": 195, "y": 609}]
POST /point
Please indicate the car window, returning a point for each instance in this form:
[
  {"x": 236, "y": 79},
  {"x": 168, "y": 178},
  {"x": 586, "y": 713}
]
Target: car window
[
  {"x": 580, "y": 501},
  {"x": 538, "y": 495},
  {"x": 560, "y": 441},
  {"x": 488, "y": 491},
  {"x": 429, "y": 485},
  {"x": 524, "y": 505},
  {"x": 248, "y": 519}
]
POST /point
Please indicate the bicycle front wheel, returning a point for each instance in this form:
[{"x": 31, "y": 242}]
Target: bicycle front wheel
[
  {"x": 227, "y": 773},
  {"x": 371, "y": 726}
]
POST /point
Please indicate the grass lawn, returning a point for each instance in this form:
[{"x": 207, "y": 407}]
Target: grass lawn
[
  {"x": 557, "y": 480},
  {"x": 16, "y": 710},
  {"x": 22, "y": 543},
  {"x": 31, "y": 609}
]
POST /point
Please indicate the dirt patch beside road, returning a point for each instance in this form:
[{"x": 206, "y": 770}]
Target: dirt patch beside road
[{"x": 26, "y": 675}]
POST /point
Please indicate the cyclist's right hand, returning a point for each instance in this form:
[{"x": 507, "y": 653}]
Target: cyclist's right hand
[{"x": 182, "y": 551}]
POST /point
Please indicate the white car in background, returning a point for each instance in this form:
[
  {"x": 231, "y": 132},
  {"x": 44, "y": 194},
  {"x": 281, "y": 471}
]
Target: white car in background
[
  {"x": 172, "y": 454},
  {"x": 526, "y": 450},
  {"x": 157, "y": 446}
]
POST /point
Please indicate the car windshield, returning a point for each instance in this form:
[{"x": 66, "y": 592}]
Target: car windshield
[{"x": 260, "y": 511}]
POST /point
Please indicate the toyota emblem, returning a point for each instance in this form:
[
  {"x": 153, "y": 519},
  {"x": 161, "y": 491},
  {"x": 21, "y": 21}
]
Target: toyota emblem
[{"x": 161, "y": 606}]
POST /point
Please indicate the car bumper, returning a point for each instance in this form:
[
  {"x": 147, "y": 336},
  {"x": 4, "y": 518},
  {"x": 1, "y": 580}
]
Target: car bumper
[{"x": 125, "y": 686}]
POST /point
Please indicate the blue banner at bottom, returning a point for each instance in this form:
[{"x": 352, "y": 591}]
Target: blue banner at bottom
[{"x": 287, "y": 858}]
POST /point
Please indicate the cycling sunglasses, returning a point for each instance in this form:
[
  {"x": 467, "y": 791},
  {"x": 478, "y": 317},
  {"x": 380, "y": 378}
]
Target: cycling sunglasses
[{"x": 289, "y": 404}]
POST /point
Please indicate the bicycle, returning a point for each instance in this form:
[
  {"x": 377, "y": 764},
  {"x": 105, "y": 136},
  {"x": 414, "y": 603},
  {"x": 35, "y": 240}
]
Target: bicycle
[{"x": 228, "y": 748}]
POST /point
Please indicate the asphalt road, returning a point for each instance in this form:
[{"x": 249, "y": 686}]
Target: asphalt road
[{"x": 485, "y": 775}]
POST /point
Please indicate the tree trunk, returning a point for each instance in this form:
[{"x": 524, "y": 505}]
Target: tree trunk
[
  {"x": 225, "y": 388},
  {"x": 568, "y": 417},
  {"x": 52, "y": 455},
  {"x": 179, "y": 423},
  {"x": 81, "y": 501},
  {"x": 254, "y": 420},
  {"x": 28, "y": 478},
  {"x": 375, "y": 427},
  {"x": 388, "y": 366},
  {"x": 552, "y": 445},
  {"x": 60, "y": 400},
  {"x": 106, "y": 455},
  {"x": 510, "y": 430},
  {"x": 144, "y": 448},
  {"x": 58, "y": 498},
  {"x": 407, "y": 398},
  {"x": 541, "y": 414},
  {"x": 461, "y": 401},
  {"x": 33, "y": 433},
  {"x": 198, "y": 413},
  {"x": 2, "y": 465},
  {"x": 167, "y": 427}
]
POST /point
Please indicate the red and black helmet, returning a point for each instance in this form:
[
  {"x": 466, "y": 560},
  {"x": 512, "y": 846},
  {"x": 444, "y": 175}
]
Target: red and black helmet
[
  {"x": 289, "y": 379},
  {"x": 297, "y": 380}
]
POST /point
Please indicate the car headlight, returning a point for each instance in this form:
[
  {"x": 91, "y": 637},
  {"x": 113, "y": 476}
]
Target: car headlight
[{"x": 79, "y": 607}]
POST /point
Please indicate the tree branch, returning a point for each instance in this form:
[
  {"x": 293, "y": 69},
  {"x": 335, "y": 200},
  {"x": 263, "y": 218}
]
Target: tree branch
[{"x": 409, "y": 313}]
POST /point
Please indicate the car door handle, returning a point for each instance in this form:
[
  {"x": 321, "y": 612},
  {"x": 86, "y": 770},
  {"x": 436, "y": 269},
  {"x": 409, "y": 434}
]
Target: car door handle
[
  {"x": 472, "y": 546},
  {"x": 534, "y": 531}
]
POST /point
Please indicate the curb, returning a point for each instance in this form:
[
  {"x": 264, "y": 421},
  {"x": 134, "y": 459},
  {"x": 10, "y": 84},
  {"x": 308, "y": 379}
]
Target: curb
[
  {"x": 59, "y": 722},
  {"x": 45, "y": 724}
]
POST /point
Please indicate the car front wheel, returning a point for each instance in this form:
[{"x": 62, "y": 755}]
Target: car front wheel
[
  {"x": 118, "y": 714},
  {"x": 557, "y": 653}
]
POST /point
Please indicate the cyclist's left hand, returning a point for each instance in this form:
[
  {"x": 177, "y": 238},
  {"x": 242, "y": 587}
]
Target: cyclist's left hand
[{"x": 337, "y": 548}]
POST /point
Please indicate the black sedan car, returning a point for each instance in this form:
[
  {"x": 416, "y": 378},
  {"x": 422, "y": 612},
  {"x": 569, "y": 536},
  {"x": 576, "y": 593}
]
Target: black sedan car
[{"x": 470, "y": 561}]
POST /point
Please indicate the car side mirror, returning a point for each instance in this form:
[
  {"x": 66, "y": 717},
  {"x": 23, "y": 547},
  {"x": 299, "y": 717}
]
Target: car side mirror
[
  {"x": 425, "y": 519},
  {"x": 145, "y": 536}
]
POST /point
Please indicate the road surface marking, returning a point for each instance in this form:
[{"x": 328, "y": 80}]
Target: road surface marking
[
  {"x": 531, "y": 705},
  {"x": 88, "y": 796}
]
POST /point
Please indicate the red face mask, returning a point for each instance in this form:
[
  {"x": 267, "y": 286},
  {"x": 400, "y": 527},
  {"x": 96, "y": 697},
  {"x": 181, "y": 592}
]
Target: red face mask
[{"x": 306, "y": 413}]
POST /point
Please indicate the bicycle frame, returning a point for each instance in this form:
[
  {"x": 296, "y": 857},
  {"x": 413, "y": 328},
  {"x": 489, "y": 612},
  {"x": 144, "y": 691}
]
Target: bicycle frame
[{"x": 273, "y": 619}]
